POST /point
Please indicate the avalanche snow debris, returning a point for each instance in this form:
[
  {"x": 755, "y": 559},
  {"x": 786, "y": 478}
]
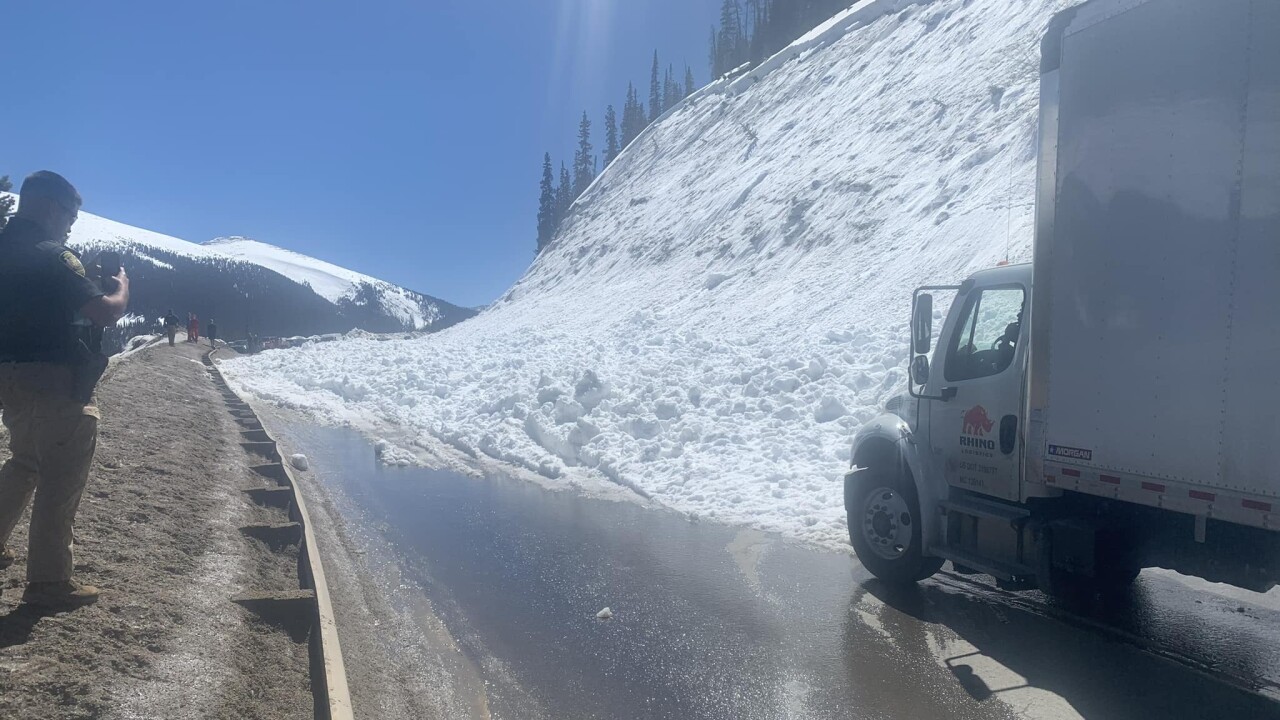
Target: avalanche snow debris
[{"x": 611, "y": 357}]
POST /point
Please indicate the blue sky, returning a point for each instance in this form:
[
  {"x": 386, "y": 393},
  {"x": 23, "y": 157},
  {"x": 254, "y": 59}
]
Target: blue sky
[{"x": 401, "y": 138}]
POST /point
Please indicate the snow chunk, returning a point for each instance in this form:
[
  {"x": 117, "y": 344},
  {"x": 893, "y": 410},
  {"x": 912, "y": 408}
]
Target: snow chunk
[
  {"x": 786, "y": 413},
  {"x": 299, "y": 462},
  {"x": 816, "y": 369},
  {"x": 389, "y": 454},
  {"x": 830, "y": 409},
  {"x": 604, "y": 614},
  {"x": 714, "y": 280},
  {"x": 666, "y": 410},
  {"x": 567, "y": 411},
  {"x": 590, "y": 390}
]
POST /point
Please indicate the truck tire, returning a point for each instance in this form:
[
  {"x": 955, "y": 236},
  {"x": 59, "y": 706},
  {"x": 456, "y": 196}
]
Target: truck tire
[{"x": 883, "y": 512}]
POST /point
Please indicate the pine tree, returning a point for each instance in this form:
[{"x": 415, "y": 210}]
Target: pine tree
[
  {"x": 714, "y": 56},
  {"x": 564, "y": 195},
  {"x": 6, "y": 202},
  {"x": 633, "y": 117},
  {"x": 655, "y": 91},
  {"x": 666, "y": 90},
  {"x": 628, "y": 111},
  {"x": 759, "y": 15},
  {"x": 730, "y": 41},
  {"x": 611, "y": 146},
  {"x": 688, "y": 82},
  {"x": 784, "y": 25},
  {"x": 766, "y": 27},
  {"x": 547, "y": 211},
  {"x": 670, "y": 89},
  {"x": 583, "y": 159}
]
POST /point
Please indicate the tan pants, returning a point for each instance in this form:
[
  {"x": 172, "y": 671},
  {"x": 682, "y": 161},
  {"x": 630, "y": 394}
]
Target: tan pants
[{"x": 52, "y": 439}]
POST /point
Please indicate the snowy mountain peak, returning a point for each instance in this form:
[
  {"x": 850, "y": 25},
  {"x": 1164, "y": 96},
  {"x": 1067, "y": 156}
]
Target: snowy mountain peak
[
  {"x": 253, "y": 286},
  {"x": 333, "y": 283}
]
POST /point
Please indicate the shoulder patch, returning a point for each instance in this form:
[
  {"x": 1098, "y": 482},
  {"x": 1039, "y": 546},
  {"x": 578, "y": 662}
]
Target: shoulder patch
[{"x": 70, "y": 260}]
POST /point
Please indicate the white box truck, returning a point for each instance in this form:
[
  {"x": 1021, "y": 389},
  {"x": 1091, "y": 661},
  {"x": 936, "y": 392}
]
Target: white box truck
[{"x": 1115, "y": 404}]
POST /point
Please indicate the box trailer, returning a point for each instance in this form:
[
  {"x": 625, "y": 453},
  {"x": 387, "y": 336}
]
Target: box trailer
[{"x": 1115, "y": 404}]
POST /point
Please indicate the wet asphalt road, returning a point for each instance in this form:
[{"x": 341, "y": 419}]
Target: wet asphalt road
[{"x": 713, "y": 621}]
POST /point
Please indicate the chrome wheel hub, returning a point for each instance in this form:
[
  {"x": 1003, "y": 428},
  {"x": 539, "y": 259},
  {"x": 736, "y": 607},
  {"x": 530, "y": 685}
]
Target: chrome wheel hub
[{"x": 886, "y": 523}]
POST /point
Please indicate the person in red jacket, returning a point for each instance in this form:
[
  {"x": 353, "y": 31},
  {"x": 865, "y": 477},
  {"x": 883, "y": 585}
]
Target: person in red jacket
[{"x": 193, "y": 329}]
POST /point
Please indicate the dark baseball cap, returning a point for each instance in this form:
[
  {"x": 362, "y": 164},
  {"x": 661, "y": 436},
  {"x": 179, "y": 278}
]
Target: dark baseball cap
[{"x": 51, "y": 185}]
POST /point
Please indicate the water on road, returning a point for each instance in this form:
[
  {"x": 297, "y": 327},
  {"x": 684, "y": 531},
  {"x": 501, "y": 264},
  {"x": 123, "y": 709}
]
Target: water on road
[{"x": 713, "y": 621}]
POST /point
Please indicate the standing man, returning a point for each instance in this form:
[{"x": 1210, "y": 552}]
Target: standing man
[
  {"x": 211, "y": 329},
  {"x": 171, "y": 326},
  {"x": 50, "y": 315}
]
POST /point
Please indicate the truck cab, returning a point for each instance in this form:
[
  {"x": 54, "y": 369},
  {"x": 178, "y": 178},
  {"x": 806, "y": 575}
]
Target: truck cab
[
  {"x": 971, "y": 396},
  {"x": 954, "y": 443}
]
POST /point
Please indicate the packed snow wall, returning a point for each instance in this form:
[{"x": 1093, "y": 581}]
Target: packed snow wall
[{"x": 728, "y": 303}]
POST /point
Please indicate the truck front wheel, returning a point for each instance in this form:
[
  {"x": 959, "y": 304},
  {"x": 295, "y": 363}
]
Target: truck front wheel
[{"x": 884, "y": 526}]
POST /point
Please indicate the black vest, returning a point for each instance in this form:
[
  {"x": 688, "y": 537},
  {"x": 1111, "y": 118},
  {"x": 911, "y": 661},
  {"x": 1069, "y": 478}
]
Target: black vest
[{"x": 42, "y": 288}]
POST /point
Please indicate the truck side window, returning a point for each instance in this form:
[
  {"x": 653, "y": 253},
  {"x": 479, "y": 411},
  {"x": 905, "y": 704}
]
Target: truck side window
[{"x": 986, "y": 337}]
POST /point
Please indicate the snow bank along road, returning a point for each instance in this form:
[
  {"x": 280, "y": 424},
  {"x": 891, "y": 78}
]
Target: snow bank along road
[{"x": 728, "y": 302}]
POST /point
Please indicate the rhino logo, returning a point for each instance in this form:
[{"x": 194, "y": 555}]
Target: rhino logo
[{"x": 976, "y": 422}]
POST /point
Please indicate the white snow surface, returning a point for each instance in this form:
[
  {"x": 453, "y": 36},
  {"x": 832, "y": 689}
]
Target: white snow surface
[
  {"x": 329, "y": 281},
  {"x": 728, "y": 302}
]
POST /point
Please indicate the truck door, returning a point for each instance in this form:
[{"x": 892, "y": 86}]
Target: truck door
[{"x": 976, "y": 432}]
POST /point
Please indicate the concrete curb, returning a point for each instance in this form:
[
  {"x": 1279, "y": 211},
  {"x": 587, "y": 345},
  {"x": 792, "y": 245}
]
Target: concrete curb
[{"x": 328, "y": 670}]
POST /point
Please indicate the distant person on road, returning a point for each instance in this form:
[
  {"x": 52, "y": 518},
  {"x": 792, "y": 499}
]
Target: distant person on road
[
  {"x": 51, "y": 321},
  {"x": 211, "y": 328},
  {"x": 171, "y": 327},
  {"x": 193, "y": 328}
]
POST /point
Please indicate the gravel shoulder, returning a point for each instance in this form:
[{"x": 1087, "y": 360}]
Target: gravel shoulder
[{"x": 158, "y": 532}]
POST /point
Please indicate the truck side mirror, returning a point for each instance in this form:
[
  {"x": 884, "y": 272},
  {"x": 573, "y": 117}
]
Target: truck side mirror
[
  {"x": 922, "y": 325},
  {"x": 920, "y": 370}
]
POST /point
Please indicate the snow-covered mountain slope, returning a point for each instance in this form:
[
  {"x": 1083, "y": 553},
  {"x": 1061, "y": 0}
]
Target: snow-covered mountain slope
[
  {"x": 728, "y": 302},
  {"x": 335, "y": 284},
  {"x": 328, "y": 280},
  {"x": 250, "y": 286}
]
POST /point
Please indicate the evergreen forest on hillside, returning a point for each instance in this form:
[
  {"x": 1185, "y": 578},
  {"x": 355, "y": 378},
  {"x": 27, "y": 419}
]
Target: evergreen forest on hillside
[{"x": 748, "y": 32}]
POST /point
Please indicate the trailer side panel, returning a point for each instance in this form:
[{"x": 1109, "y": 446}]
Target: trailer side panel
[{"x": 1164, "y": 254}]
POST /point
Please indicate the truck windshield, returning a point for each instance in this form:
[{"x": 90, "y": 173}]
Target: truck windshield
[{"x": 987, "y": 335}]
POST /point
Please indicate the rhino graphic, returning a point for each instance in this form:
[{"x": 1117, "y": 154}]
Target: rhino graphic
[{"x": 976, "y": 422}]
